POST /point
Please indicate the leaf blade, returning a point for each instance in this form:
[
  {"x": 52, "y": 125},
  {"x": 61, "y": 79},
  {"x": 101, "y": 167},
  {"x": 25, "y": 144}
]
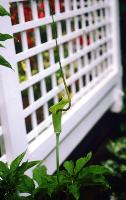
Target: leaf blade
[
  {"x": 4, "y": 37},
  {"x": 4, "y": 170},
  {"x": 80, "y": 163},
  {"x": 74, "y": 190},
  {"x": 4, "y": 62},
  {"x": 3, "y": 11},
  {"x": 26, "y": 185},
  {"x": 69, "y": 166},
  {"x": 16, "y": 162}
]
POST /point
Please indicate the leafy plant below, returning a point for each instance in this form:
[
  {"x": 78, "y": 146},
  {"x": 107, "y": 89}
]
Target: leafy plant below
[
  {"x": 14, "y": 183},
  {"x": 12, "y": 178},
  {"x": 117, "y": 165}
]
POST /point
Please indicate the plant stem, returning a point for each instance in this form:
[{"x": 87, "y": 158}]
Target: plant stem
[
  {"x": 60, "y": 65},
  {"x": 57, "y": 156}
]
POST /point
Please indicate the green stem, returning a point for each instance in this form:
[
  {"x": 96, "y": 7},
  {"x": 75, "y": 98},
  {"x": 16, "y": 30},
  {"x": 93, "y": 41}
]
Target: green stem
[
  {"x": 61, "y": 70},
  {"x": 57, "y": 155}
]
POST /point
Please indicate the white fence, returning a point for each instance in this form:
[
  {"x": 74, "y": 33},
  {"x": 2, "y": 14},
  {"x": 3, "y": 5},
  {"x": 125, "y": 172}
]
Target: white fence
[{"x": 88, "y": 42}]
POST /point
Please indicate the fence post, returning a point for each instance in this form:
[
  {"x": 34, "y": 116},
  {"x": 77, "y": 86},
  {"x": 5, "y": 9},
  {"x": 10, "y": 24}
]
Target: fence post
[
  {"x": 117, "y": 106},
  {"x": 13, "y": 125}
]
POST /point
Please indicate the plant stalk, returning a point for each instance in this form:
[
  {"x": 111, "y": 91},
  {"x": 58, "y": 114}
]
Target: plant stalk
[{"x": 57, "y": 155}]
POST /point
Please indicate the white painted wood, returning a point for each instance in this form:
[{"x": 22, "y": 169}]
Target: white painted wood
[
  {"x": 95, "y": 60},
  {"x": 70, "y": 122},
  {"x": 39, "y": 22},
  {"x": 117, "y": 106},
  {"x": 12, "y": 119}
]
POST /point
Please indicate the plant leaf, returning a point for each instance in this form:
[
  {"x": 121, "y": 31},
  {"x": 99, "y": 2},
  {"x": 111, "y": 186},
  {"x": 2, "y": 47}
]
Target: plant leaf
[
  {"x": 52, "y": 185},
  {"x": 74, "y": 190},
  {"x": 3, "y": 11},
  {"x": 4, "y": 37},
  {"x": 1, "y": 45},
  {"x": 15, "y": 163},
  {"x": 4, "y": 171},
  {"x": 59, "y": 106},
  {"x": 40, "y": 175},
  {"x": 26, "y": 185},
  {"x": 4, "y": 62},
  {"x": 80, "y": 163},
  {"x": 122, "y": 168},
  {"x": 94, "y": 169},
  {"x": 95, "y": 179},
  {"x": 27, "y": 165},
  {"x": 69, "y": 166}
]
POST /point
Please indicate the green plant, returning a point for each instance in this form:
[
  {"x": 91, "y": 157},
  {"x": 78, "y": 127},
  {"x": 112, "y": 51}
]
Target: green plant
[
  {"x": 68, "y": 181},
  {"x": 12, "y": 178},
  {"x": 117, "y": 165},
  {"x": 14, "y": 183},
  {"x": 3, "y": 37}
]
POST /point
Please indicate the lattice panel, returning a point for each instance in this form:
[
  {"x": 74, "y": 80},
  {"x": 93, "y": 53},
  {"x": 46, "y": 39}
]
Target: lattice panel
[{"x": 85, "y": 47}]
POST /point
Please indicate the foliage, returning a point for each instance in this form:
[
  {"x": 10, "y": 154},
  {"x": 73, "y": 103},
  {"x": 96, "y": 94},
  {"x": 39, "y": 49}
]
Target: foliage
[
  {"x": 117, "y": 165},
  {"x": 71, "y": 178},
  {"x": 118, "y": 148},
  {"x": 13, "y": 181},
  {"x": 12, "y": 178},
  {"x": 4, "y": 37}
]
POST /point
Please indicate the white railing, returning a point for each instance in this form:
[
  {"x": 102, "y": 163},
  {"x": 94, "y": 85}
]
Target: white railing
[{"x": 89, "y": 52}]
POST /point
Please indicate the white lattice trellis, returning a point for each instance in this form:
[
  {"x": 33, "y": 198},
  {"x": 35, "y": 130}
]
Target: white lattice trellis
[{"x": 89, "y": 52}]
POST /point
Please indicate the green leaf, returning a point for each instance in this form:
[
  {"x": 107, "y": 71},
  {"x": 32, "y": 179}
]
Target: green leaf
[
  {"x": 59, "y": 106},
  {"x": 69, "y": 166},
  {"x": 3, "y": 11},
  {"x": 74, "y": 190},
  {"x": 52, "y": 185},
  {"x": 1, "y": 45},
  {"x": 56, "y": 118},
  {"x": 95, "y": 179},
  {"x": 26, "y": 185},
  {"x": 27, "y": 165},
  {"x": 40, "y": 175},
  {"x": 112, "y": 165},
  {"x": 93, "y": 170},
  {"x": 123, "y": 168},
  {"x": 15, "y": 163},
  {"x": 118, "y": 148},
  {"x": 80, "y": 163},
  {"x": 4, "y": 37},
  {"x": 4, "y": 62},
  {"x": 4, "y": 171}
]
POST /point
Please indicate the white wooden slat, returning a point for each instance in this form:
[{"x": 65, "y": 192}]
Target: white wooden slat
[
  {"x": 39, "y": 129},
  {"x": 51, "y": 51},
  {"x": 27, "y": 61},
  {"x": 56, "y": 90},
  {"x": 12, "y": 120},
  {"x": 11, "y": 1},
  {"x": 51, "y": 44},
  {"x": 65, "y": 61},
  {"x": 40, "y": 22},
  {"x": 39, "y": 57},
  {"x": 78, "y": 49}
]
